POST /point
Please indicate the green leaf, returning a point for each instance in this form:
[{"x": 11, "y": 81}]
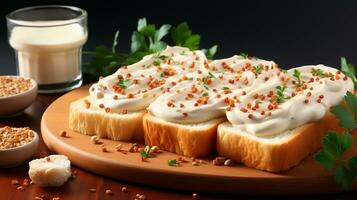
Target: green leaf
[
  {"x": 148, "y": 30},
  {"x": 137, "y": 42},
  {"x": 343, "y": 176},
  {"x": 115, "y": 41},
  {"x": 124, "y": 83},
  {"x": 326, "y": 159},
  {"x": 346, "y": 141},
  {"x": 163, "y": 31},
  {"x": 351, "y": 101},
  {"x": 225, "y": 88},
  {"x": 211, "y": 75},
  {"x": 346, "y": 118},
  {"x": 352, "y": 165},
  {"x": 145, "y": 154},
  {"x": 205, "y": 94},
  {"x": 349, "y": 70},
  {"x": 172, "y": 162},
  {"x": 332, "y": 143},
  {"x": 141, "y": 24},
  {"x": 193, "y": 42},
  {"x": 210, "y": 52},
  {"x": 181, "y": 33},
  {"x": 244, "y": 55}
]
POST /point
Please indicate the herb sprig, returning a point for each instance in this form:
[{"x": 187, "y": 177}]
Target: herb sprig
[
  {"x": 297, "y": 75},
  {"x": 124, "y": 83},
  {"x": 280, "y": 97},
  {"x": 257, "y": 70},
  {"x": 146, "y": 39},
  {"x": 319, "y": 73},
  {"x": 335, "y": 145},
  {"x": 349, "y": 70}
]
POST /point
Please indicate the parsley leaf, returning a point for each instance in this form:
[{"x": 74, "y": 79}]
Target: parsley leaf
[
  {"x": 211, "y": 75},
  {"x": 225, "y": 88},
  {"x": 334, "y": 146},
  {"x": 182, "y": 36},
  {"x": 349, "y": 70},
  {"x": 318, "y": 72},
  {"x": 210, "y": 52},
  {"x": 257, "y": 70},
  {"x": 297, "y": 75},
  {"x": 346, "y": 118},
  {"x": 173, "y": 163},
  {"x": 205, "y": 94},
  {"x": 124, "y": 83},
  {"x": 145, "y": 154},
  {"x": 244, "y": 55},
  {"x": 280, "y": 97}
]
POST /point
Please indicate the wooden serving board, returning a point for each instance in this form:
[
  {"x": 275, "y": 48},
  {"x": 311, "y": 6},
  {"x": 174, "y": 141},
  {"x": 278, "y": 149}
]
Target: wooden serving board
[{"x": 306, "y": 178}]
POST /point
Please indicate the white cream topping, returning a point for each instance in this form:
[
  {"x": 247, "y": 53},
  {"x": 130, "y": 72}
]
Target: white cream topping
[
  {"x": 134, "y": 87},
  {"x": 179, "y": 85},
  {"x": 211, "y": 90},
  {"x": 305, "y": 102}
]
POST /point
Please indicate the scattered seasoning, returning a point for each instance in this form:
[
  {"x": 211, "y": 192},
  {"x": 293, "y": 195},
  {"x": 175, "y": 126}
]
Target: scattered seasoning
[
  {"x": 11, "y": 137},
  {"x": 124, "y": 189},
  {"x": 108, "y": 192},
  {"x": 195, "y": 196},
  {"x": 63, "y": 133},
  {"x": 11, "y": 85},
  {"x": 95, "y": 139},
  {"x": 14, "y": 182}
]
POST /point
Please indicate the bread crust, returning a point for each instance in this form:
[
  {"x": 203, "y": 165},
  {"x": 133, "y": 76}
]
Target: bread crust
[
  {"x": 278, "y": 155},
  {"x": 195, "y": 140},
  {"x": 114, "y": 126}
]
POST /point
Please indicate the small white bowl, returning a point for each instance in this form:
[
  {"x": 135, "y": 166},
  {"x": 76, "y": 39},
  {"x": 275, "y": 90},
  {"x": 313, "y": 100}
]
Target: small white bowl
[
  {"x": 16, "y": 104},
  {"x": 17, "y": 155}
]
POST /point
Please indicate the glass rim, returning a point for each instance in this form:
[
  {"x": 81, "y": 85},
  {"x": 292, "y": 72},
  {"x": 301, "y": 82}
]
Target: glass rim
[{"x": 27, "y": 23}]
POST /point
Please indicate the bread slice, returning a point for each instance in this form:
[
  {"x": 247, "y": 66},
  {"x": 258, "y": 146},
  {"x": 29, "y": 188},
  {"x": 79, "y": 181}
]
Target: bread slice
[
  {"x": 114, "y": 126},
  {"x": 193, "y": 140},
  {"x": 274, "y": 154}
]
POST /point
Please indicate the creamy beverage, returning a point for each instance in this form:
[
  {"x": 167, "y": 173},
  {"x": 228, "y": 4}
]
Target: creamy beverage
[{"x": 49, "y": 52}]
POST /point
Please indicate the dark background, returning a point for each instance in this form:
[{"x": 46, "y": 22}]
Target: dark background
[{"x": 291, "y": 33}]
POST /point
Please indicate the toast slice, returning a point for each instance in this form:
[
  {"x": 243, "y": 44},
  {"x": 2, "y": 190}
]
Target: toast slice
[
  {"x": 114, "y": 126},
  {"x": 193, "y": 140},
  {"x": 277, "y": 153}
]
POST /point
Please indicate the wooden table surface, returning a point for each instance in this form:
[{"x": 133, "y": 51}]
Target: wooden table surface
[{"x": 78, "y": 188}]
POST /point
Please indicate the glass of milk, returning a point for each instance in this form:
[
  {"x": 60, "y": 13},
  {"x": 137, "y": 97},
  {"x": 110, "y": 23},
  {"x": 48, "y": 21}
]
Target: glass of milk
[{"x": 48, "y": 42}]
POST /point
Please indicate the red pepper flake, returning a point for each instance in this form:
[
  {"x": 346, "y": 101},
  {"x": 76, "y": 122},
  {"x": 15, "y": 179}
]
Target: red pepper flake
[
  {"x": 318, "y": 100},
  {"x": 293, "y": 94},
  {"x": 130, "y": 95},
  {"x": 107, "y": 110},
  {"x": 136, "y": 81},
  {"x": 321, "y": 96},
  {"x": 169, "y": 104},
  {"x": 256, "y": 96},
  {"x": 249, "y": 105},
  {"x": 306, "y": 101},
  {"x": 262, "y": 112},
  {"x": 185, "y": 114},
  {"x": 115, "y": 97},
  {"x": 101, "y": 106},
  {"x": 244, "y": 93},
  {"x": 218, "y": 96},
  {"x": 182, "y": 105},
  {"x": 196, "y": 104},
  {"x": 231, "y": 81},
  {"x": 125, "y": 111},
  {"x": 270, "y": 107},
  {"x": 199, "y": 71},
  {"x": 309, "y": 94},
  {"x": 244, "y": 110},
  {"x": 87, "y": 103},
  {"x": 228, "y": 108},
  {"x": 269, "y": 113},
  {"x": 266, "y": 78},
  {"x": 345, "y": 78},
  {"x": 173, "y": 83},
  {"x": 270, "y": 94},
  {"x": 250, "y": 116}
]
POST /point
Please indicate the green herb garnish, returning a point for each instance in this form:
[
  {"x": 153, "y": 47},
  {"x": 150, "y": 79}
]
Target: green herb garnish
[
  {"x": 297, "y": 75},
  {"x": 319, "y": 73},
  {"x": 335, "y": 145},
  {"x": 172, "y": 163},
  {"x": 210, "y": 52},
  {"x": 146, "y": 39},
  {"x": 205, "y": 94},
  {"x": 280, "y": 97},
  {"x": 145, "y": 154},
  {"x": 225, "y": 88},
  {"x": 244, "y": 55},
  {"x": 211, "y": 75},
  {"x": 156, "y": 62},
  {"x": 257, "y": 70},
  {"x": 349, "y": 70},
  {"x": 124, "y": 83}
]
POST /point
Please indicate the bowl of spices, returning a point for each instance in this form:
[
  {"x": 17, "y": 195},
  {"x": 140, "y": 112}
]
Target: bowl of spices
[
  {"x": 17, "y": 145},
  {"x": 16, "y": 94}
]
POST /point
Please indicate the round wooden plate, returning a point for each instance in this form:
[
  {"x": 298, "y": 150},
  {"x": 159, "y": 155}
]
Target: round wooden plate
[{"x": 306, "y": 178}]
